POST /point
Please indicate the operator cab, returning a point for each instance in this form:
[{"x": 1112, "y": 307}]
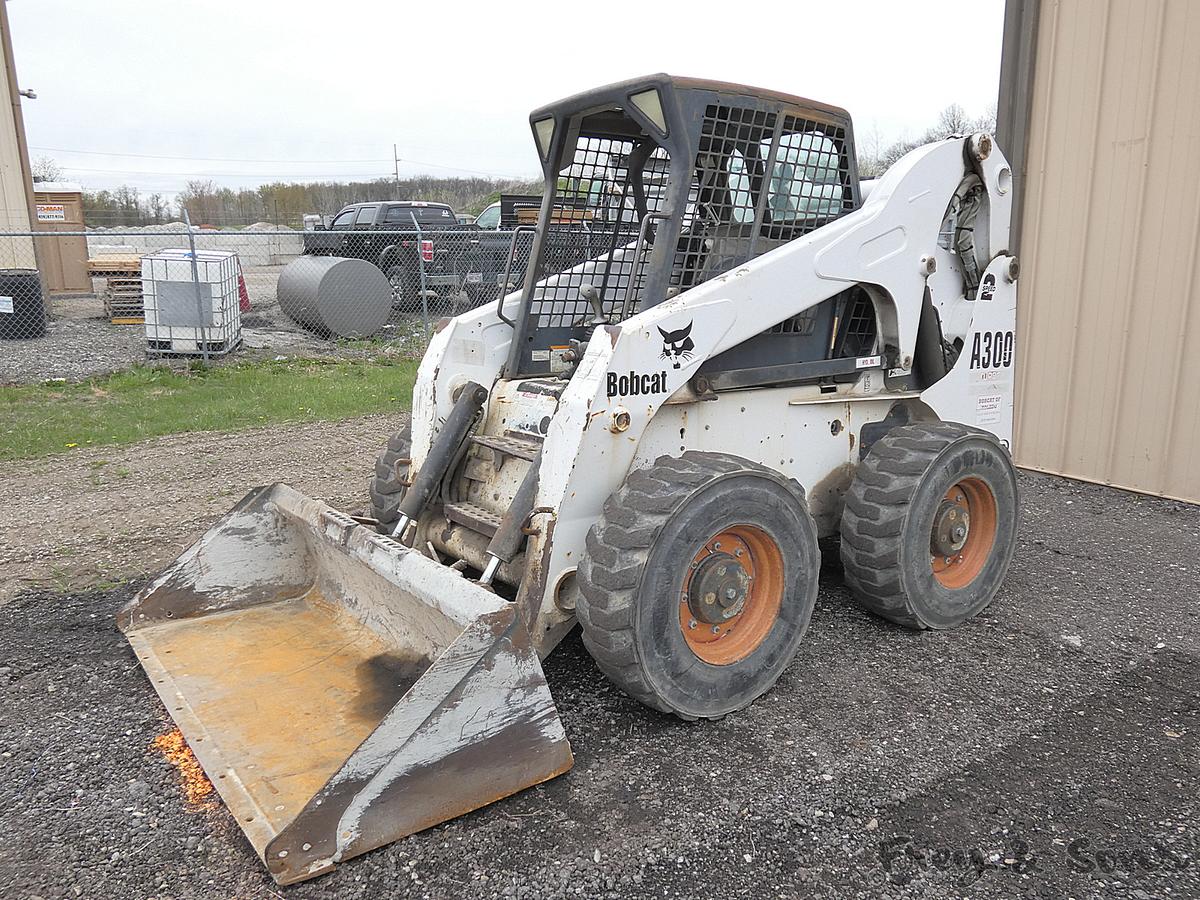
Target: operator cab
[{"x": 658, "y": 184}]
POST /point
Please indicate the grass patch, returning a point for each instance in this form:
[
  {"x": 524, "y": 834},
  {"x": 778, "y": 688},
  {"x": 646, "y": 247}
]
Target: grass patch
[{"x": 146, "y": 402}]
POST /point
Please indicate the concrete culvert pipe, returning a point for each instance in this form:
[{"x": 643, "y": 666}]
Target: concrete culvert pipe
[{"x": 335, "y": 297}]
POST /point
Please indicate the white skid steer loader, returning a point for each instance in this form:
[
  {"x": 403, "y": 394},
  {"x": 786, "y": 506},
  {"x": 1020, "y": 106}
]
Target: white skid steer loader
[{"x": 725, "y": 348}]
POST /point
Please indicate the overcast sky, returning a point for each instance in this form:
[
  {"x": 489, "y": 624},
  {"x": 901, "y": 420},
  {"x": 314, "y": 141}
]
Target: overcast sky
[{"x": 160, "y": 91}]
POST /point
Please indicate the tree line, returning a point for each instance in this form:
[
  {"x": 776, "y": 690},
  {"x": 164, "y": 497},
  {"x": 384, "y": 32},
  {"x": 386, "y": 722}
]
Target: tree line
[
  {"x": 875, "y": 157},
  {"x": 286, "y": 203}
]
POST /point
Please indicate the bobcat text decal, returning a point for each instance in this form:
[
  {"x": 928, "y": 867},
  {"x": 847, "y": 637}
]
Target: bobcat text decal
[{"x": 636, "y": 384}]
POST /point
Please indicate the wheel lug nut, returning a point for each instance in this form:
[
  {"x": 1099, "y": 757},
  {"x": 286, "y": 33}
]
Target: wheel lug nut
[
  {"x": 716, "y": 629},
  {"x": 691, "y": 623}
]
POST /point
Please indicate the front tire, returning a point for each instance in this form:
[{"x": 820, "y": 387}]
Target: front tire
[
  {"x": 930, "y": 524},
  {"x": 698, "y": 583},
  {"x": 390, "y": 480}
]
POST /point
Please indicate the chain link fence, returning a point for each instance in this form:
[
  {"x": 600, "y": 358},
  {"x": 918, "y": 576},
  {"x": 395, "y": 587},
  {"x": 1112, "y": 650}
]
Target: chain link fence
[{"x": 80, "y": 303}]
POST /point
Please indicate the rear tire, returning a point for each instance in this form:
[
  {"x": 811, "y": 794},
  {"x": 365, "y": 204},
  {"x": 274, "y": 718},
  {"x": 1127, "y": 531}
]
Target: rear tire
[
  {"x": 674, "y": 540},
  {"x": 930, "y": 524},
  {"x": 405, "y": 295},
  {"x": 390, "y": 480}
]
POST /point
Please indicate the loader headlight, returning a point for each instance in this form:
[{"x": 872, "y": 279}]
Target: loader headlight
[
  {"x": 649, "y": 104},
  {"x": 543, "y": 131}
]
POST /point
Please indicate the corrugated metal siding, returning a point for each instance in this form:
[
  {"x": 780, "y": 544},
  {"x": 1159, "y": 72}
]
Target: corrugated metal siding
[
  {"x": 14, "y": 202},
  {"x": 1109, "y": 309}
]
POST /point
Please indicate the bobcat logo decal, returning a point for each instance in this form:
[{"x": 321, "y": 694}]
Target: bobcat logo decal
[{"x": 677, "y": 345}]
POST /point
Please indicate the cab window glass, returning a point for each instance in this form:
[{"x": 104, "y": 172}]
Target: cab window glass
[
  {"x": 343, "y": 219},
  {"x": 806, "y": 179},
  {"x": 366, "y": 215},
  {"x": 740, "y": 199}
]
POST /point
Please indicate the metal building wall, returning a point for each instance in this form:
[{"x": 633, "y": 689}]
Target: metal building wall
[
  {"x": 15, "y": 190},
  {"x": 1109, "y": 309}
]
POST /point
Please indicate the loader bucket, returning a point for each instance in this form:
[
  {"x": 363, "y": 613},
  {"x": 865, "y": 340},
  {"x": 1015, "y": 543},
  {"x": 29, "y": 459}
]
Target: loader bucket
[{"x": 340, "y": 690}]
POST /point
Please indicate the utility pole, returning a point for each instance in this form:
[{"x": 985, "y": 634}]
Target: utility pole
[{"x": 396, "y": 160}]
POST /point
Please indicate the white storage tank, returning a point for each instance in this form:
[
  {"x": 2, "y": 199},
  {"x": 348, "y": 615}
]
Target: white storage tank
[{"x": 191, "y": 314}]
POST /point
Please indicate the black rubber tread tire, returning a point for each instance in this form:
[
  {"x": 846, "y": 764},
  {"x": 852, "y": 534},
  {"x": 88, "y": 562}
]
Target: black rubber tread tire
[
  {"x": 619, "y": 561},
  {"x": 406, "y": 297},
  {"x": 885, "y": 533},
  {"x": 386, "y": 489}
]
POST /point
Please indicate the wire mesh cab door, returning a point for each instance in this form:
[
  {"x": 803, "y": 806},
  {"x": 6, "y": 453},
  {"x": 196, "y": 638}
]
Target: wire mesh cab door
[
  {"x": 606, "y": 187},
  {"x": 768, "y": 173}
]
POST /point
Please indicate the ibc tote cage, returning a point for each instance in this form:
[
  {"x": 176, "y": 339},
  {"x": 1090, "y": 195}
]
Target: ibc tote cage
[{"x": 191, "y": 302}]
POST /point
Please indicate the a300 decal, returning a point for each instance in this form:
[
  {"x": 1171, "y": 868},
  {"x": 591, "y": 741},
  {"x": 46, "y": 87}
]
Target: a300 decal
[{"x": 992, "y": 350}]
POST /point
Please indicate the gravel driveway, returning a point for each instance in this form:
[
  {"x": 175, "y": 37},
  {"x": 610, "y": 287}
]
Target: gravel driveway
[
  {"x": 1049, "y": 748},
  {"x": 80, "y": 342}
]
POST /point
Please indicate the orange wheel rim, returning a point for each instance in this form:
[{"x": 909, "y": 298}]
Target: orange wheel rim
[
  {"x": 963, "y": 533},
  {"x": 732, "y": 594}
]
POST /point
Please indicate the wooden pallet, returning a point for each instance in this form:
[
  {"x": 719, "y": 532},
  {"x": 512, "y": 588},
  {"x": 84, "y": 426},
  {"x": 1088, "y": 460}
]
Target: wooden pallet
[
  {"x": 123, "y": 302},
  {"x": 103, "y": 266}
]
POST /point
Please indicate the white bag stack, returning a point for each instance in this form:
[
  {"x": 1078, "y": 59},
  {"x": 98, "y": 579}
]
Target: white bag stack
[{"x": 186, "y": 316}]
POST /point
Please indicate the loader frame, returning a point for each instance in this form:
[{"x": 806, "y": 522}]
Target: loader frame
[
  {"x": 711, "y": 276},
  {"x": 636, "y": 386}
]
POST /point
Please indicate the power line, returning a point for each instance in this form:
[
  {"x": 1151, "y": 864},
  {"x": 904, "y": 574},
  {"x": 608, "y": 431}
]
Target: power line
[
  {"x": 145, "y": 174},
  {"x": 205, "y": 158},
  {"x": 416, "y": 162}
]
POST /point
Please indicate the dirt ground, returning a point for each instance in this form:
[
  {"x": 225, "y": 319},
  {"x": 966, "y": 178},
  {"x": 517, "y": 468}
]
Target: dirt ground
[
  {"x": 98, "y": 516},
  {"x": 1050, "y": 748}
]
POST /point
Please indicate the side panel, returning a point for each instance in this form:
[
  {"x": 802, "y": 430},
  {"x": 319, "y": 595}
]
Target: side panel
[
  {"x": 813, "y": 440},
  {"x": 979, "y": 389},
  {"x": 634, "y": 367},
  {"x": 471, "y": 347}
]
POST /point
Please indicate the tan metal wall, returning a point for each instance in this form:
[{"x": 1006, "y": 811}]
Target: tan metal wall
[
  {"x": 1109, "y": 308},
  {"x": 15, "y": 194}
]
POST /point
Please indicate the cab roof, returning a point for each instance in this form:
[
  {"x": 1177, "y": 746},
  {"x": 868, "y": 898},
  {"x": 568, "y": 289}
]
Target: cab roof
[{"x": 680, "y": 86}]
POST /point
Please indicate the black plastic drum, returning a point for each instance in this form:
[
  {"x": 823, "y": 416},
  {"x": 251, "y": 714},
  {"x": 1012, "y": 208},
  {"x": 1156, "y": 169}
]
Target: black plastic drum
[{"x": 22, "y": 306}]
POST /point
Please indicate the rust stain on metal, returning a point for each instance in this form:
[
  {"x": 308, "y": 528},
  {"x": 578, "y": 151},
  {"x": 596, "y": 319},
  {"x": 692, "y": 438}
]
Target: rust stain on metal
[
  {"x": 197, "y": 789},
  {"x": 826, "y": 497},
  {"x": 287, "y": 691},
  {"x": 321, "y": 717}
]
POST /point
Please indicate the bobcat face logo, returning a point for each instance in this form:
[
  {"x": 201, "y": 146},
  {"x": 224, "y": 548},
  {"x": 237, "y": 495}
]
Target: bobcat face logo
[{"x": 677, "y": 345}]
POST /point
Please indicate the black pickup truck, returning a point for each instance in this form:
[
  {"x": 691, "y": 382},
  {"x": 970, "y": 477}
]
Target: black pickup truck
[
  {"x": 405, "y": 239},
  {"x": 422, "y": 246}
]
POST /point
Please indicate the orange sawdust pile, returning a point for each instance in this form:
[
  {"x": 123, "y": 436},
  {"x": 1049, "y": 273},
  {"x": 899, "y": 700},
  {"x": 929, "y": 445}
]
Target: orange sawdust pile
[{"x": 196, "y": 786}]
